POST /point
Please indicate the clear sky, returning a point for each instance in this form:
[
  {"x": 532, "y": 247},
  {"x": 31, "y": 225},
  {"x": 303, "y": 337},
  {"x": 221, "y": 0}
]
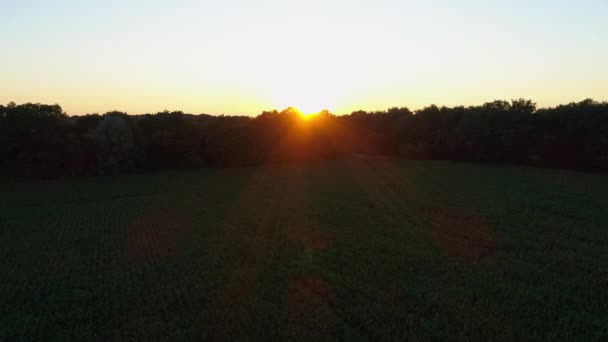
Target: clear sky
[{"x": 245, "y": 56}]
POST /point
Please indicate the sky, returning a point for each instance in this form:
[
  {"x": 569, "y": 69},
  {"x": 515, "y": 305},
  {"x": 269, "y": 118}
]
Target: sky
[{"x": 243, "y": 56}]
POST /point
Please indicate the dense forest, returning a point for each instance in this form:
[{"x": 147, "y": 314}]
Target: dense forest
[{"x": 41, "y": 141}]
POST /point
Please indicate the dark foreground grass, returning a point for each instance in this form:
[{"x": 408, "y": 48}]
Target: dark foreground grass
[{"x": 365, "y": 249}]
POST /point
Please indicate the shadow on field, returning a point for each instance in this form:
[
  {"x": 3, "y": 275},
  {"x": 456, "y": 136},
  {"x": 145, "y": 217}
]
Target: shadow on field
[
  {"x": 277, "y": 240},
  {"x": 157, "y": 233},
  {"x": 460, "y": 234},
  {"x": 309, "y": 311},
  {"x": 269, "y": 249},
  {"x": 309, "y": 239}
]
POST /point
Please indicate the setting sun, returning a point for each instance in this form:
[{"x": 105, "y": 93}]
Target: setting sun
[{"x": 308, "y": 97}]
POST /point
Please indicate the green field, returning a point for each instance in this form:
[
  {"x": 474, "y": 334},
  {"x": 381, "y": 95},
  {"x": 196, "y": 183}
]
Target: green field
[{"x": 364, "y": 249}]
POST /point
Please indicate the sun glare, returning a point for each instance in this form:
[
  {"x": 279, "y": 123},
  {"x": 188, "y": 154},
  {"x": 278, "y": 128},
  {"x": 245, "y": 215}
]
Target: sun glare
[
  {"x": 304, "y": 108},
  {"x": 308, "y": 110},
  {"x": 308, "y": 96},
  {"x": 307, "y": 114},
  {"x": 307, "y": 107}
]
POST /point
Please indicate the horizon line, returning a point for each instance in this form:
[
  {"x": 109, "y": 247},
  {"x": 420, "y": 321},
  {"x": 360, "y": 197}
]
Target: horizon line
[{"x": 587, "y": 99}]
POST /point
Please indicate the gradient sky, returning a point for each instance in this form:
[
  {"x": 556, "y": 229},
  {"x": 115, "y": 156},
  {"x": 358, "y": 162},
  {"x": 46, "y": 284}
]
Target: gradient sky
[{"x": 243, "y": 56}]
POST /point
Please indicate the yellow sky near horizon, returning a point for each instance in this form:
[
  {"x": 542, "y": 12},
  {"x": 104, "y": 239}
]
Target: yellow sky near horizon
[{"x": 236, "y": 57}]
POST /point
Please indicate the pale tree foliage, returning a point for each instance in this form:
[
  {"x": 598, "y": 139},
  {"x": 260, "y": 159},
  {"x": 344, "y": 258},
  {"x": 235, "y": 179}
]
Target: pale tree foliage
[{"x": 115, "y": 141}]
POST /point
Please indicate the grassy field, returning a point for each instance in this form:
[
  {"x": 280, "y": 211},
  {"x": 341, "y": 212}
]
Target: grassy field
[{"x": 365, "y": 249}]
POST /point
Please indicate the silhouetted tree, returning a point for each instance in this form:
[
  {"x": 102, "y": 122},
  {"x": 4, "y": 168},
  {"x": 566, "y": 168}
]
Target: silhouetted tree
[
  {"x": 41, "y": 141},
  {"x": 115, "y": 141}
]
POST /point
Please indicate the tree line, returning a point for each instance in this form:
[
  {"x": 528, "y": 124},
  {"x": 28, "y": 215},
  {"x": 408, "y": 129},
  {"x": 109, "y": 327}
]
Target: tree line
[{"x": 41, "y": 141}]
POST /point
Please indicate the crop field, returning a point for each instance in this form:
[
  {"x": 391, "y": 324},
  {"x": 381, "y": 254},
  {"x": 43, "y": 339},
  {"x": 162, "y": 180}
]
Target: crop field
[{"x": 362, "y": 249}]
